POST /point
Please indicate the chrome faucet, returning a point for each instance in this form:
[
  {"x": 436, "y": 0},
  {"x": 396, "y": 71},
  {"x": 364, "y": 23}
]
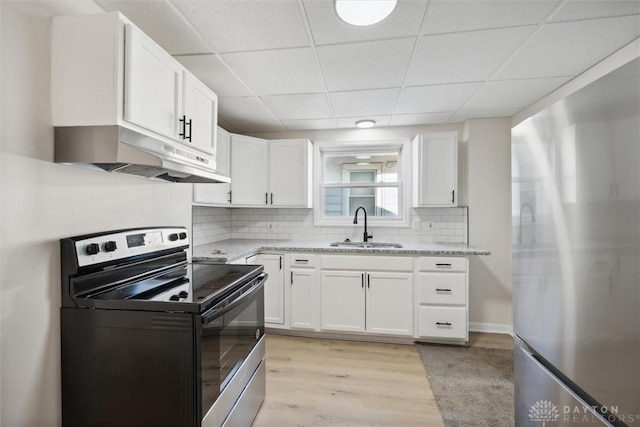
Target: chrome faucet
[
  {"x": 533, "y": 219},
  {"x": 367, "y": 236}
]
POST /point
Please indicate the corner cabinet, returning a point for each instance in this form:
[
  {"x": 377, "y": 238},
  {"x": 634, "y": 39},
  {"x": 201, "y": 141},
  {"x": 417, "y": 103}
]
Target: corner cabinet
[
  {"x": 271, "y": 173},
  {"x": 217, "y": 194},
  {"x": 435, "y": 169},
  {"x": 105, "y": 71}
]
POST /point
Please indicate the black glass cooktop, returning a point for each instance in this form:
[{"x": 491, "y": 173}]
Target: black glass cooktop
[{"x": 189, "y": 288}]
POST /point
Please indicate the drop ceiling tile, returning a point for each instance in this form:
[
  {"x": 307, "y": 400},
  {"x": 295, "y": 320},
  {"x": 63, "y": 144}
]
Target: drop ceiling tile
[
  {"x": 568, "y": 49},
  {"x": 327, "y": 28},
  {"x": 461, "y": 116},
  {"x": 463, "y": 57},
  {"x": 299, "y": 106},
  {"x": 366, "y": 65},
  {"x": 579, "y": 9},
  {"x": 446, "y": 16},
  {"x": 420, "y": 119},
  {"x": 310, "y": 124},
  {"x": 506, "y": 94},
  {"x": 376, "y": 102},
  {"x": 231, "y": 25},
  {"x": 160, "y": 21},
  {"x": 281, "y": 71},
  {"x": 435, "y": 99},
  {"x": 350, "y": 122},
  {"x": 248, "y": 114},
  {"x": 215, "y": 74}
]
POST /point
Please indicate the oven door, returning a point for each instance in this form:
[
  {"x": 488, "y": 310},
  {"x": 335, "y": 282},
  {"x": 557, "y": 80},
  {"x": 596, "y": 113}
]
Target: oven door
[{"x": 229, "y": 332}]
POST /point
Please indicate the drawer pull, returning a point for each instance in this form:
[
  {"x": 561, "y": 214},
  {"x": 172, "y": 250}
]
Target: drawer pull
[
  {"x": 443, "y": 265},
  {"x": 443, "y": 323},
  {"x": 442, "y": 290},
  {"x": 302, "y": 260}
]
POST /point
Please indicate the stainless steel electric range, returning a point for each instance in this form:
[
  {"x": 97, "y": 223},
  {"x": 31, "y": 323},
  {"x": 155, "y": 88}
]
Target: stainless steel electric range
[{"x": 148, "y": 339}]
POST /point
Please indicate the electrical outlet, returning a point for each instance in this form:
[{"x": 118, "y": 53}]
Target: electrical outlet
[
  {"x": 416, "y": 224},
  {"x": 270, "y": 227},
  {"x": 429, "y": 225}
]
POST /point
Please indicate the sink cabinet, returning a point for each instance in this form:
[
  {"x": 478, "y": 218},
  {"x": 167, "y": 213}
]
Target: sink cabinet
[{"x": 370, "y": 294}]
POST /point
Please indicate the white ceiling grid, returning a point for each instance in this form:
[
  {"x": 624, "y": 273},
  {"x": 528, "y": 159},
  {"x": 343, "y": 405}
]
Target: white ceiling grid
[{"x": 292, "y": 64}]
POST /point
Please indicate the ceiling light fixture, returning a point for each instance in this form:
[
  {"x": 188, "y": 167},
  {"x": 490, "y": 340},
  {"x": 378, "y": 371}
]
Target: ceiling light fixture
[
  {"x": 364, "y": 12},
  {"x": 365, "y": 124}
]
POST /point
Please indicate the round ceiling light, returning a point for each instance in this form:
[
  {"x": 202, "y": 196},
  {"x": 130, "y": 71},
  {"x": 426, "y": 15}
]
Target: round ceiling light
[
  {"x": 363, "y": 124},
  {"x": 364, "y": 12}
]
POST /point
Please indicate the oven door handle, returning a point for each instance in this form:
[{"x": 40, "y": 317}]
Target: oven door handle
[{"x": 217, "y": 311}]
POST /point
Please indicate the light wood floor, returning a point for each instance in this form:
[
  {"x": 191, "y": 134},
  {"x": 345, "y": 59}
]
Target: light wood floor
[{"x": 319, "y": 382}]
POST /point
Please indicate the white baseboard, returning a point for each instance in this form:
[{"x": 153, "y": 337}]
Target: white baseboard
[{"x": 494, "y": 328}]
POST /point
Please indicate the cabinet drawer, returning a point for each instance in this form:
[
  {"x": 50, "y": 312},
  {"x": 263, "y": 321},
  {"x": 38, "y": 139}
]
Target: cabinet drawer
[
  {"x": 442, "y": 264},
  {"x": 442, "y": 288},
  {"x": 366, "y": 263},
  {"x": 302, "y": 260},
  {"x": 442, "y": 322}
]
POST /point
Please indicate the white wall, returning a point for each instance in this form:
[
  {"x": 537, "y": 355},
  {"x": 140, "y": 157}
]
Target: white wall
[
  {"x": 488, "y": 146},
  {"x": 42, "y": 202}
]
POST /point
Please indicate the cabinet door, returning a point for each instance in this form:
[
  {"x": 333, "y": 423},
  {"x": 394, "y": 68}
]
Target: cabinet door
[
  {"x": 342, "y": 301},
  {"x": 390, "y": 303},
  {"x": 249, "y": 159},
  {"x": 303, "y": 299},
  {"x": 273, "y": 288},
  {"x": 201, "y": 109},
  {"x": 216, "y": 194},
  {"x": 290, "y": 173},
  {"x": 435, "y": 169},
  {"x": 153, "y": 85}
]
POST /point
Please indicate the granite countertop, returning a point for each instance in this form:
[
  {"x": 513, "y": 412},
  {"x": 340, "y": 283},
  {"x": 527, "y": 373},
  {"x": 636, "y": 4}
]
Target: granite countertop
[{"x": 231, "y": 250}]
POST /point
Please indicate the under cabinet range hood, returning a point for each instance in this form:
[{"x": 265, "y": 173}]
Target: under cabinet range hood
[{"x": 119, "y": 149}]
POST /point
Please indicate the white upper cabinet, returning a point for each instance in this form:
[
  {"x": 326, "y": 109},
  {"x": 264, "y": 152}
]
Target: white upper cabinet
[
  {"x": 270, "y": 173},
  {"x": 105, "y": 71},
  {"x": 217, "y": 194},
  {"x": 435, "y": 169},
  {"x": 153, "y": 85},
  {"x": 290, "y": 165},
  {"x": 249, "y": 171},
  {"x": 200, "y": 112}
]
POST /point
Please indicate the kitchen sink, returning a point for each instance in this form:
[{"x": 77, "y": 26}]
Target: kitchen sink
[{"x": 371, "y": 245}]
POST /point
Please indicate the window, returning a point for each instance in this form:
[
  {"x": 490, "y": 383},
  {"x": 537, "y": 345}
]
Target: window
[{"x": 350, "y": 175}]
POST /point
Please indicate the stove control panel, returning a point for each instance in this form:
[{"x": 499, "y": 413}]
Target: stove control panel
[{"x": 112, "y": 246}]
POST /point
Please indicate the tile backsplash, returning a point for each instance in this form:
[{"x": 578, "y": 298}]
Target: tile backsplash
[{"x": 214, "y": 224}]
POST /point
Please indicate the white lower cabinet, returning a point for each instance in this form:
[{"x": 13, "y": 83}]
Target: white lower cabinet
[
  {"x": 376, "y": 302},
  {"x": 441, "y": 298},
  {"x": 303, "y": 292},
  {"x": 377, "y": 295},
  {"x": 273, "y": 288},
  {"x": 389, "y": 303},
  {"x": 342, "y": 301}
]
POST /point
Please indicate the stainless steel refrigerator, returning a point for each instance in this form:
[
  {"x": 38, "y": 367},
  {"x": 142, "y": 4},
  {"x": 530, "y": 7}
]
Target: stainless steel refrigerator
[{"x": 576, "y": 262}]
